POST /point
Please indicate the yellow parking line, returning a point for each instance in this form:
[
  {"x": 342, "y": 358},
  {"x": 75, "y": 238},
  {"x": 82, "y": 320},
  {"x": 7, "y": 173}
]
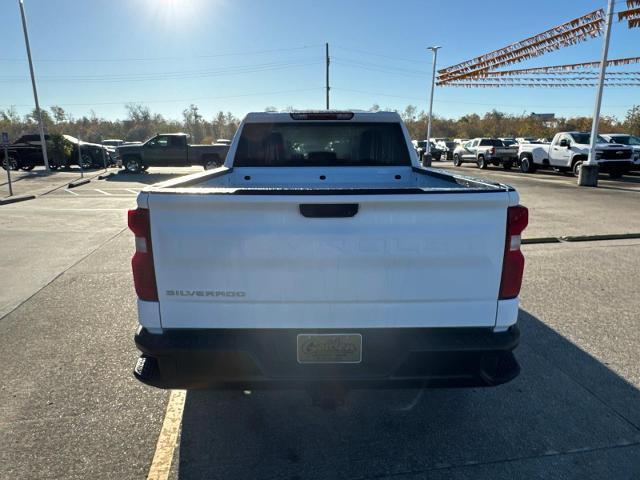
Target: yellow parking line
[{"x": 161, "y": 464}]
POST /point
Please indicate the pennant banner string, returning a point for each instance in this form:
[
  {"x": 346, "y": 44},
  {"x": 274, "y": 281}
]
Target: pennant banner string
[
  {"x": 565, "y": 69},
  {"x": 468, "y": 84},
  {"x": 569, "y": 33},
  {"x": 570, "y": 38}
]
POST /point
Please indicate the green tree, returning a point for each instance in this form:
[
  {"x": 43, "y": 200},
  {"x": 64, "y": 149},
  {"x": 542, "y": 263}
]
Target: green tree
[
  {"x": 193, "y": 123},
  {"x": 59, "y": 115},
  {"x": 632, "y": 120}
]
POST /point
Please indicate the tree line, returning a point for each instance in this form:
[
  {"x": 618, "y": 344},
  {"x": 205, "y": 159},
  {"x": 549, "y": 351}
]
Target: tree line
[
  {"x": 498, "y": 124},
  {"x": 141, "y": 123}
]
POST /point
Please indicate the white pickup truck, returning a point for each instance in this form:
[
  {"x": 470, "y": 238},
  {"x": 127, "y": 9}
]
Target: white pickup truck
[
  {"x": 322, "y": 254},
  {"x": 569, "y": 150}
]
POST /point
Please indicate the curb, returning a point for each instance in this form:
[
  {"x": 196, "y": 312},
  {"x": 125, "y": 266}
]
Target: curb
[
  {"x": 581, "y": 238},
  {"x": 106, "y": 175},
  {"x": 592, "y": 238},
  {"x": 77, "y": 183},
  {"x": 540, "y": 240},
  {"x": 16, "y": 199}
]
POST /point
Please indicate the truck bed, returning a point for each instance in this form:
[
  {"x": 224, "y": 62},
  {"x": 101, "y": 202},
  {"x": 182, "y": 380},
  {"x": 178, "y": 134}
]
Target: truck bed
[{"x": 315, "y": 180}]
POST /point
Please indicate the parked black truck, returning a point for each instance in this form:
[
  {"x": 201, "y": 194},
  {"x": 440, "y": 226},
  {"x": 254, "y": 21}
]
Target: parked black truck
[
  {"x": 171, "y": 150},
  {"x": 62, "y": 152}
]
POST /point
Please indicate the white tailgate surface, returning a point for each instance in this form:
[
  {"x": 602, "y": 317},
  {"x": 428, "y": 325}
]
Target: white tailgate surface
[{"x": 253, "y": 261}]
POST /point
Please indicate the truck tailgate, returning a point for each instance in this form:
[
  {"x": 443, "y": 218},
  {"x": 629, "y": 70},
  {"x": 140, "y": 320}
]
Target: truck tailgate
[{"x": 254, "y": 261}]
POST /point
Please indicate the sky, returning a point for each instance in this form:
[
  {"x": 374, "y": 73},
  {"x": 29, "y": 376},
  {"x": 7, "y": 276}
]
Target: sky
[{"x": 245, "y": 55}]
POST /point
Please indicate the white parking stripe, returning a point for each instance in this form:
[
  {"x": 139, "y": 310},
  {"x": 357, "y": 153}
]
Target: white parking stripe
[
  {"x": 102, "y": 191},
  {"x": 132, "y": 191},
  {"x": 72, "y": 192}
]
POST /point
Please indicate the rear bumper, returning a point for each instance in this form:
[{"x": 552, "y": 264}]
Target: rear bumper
[{"x": 265, "y": 358}]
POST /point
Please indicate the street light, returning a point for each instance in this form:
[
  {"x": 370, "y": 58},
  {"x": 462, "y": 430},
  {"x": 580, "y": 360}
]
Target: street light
[
  {"x": 588, "y": 176},
  {"x": 33, "y": 84},
  {"x": 433, "y": 84}
]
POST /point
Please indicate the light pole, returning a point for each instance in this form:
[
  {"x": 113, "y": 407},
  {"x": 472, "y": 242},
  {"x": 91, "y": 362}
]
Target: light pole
[
  {"x": 588, "y": 176},
  {"x": 327, "y": 62},
  {"x": 33, "y": 84},
  {"x": 433, "y": 84}
]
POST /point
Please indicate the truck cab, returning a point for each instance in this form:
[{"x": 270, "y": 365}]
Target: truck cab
[{"x": 167, "y": 150}]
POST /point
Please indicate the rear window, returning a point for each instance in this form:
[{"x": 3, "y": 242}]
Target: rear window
[
  {"x": 489, "y": 142},
  {"x": 625, "y": 139},
  {"x": 323, "y": 144}
]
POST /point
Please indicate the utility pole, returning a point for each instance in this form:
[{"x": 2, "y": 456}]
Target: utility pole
[
  {"x": 7, "y": 164},
  {"x": 427, "y": 153},
  {"x": 33, "y": 84},
  {"x": 326, "y": 54},
  {"x": 80, "y": 160},
  {"x": 588, "y": 176}
]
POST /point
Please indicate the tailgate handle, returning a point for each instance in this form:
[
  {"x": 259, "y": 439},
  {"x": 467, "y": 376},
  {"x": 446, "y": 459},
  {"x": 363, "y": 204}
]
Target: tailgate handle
[{"x": 328, "y": 210}]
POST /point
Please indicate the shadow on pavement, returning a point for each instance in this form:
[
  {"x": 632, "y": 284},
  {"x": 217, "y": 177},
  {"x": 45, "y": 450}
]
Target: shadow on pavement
[
  {"x": 608, "y": 187},
  {"x": 143, "y": 177},
  {"x": 566, "y": 416}
]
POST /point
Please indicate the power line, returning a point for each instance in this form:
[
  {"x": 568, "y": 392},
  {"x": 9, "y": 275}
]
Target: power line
[
  {"x": 377, "y": 94},
  {"x": 381, "y": 66},
  {"x": 181, "y": 57},
  {"x": 107, "y": 78},
  {"x": 181, "y": 100},
  {"x": 375, "y": 54},
  {"x": 391, "y": 71}
]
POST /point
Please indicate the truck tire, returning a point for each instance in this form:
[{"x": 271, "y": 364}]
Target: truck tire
[
  {"x": 27, "y": 168},
  {"x": 87, "y": 161},
  {"x": 12, "y": 163},
  {"x": 132, "y": 164},
  {"x": 507, "y": 165},
  {"x": 616, "y": 173},
  {"x": 482, "y": 162},
  {"x": 456, "y": 160},
  {"x": 210, "y": 161},
  {"x": 526, "y": 164},
  {"x": 577, "y": 165}
]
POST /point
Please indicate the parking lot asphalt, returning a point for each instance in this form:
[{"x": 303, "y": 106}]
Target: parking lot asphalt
[
  {"x": 558, "y": 207},
  {"x": 70, "y": 408}
]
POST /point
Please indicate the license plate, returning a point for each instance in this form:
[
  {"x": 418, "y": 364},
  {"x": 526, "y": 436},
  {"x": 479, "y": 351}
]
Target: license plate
[{"x": 330, "y": 348}]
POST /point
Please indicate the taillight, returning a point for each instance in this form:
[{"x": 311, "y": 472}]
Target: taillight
[
  {"x": 513, "y": 263},
  {"x": 492, "y": 151},
  {"x": 144, "y": 275}
]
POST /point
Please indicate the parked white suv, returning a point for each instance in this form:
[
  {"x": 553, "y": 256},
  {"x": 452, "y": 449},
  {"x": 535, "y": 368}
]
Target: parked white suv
[{"x": 321, "y": 254}]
